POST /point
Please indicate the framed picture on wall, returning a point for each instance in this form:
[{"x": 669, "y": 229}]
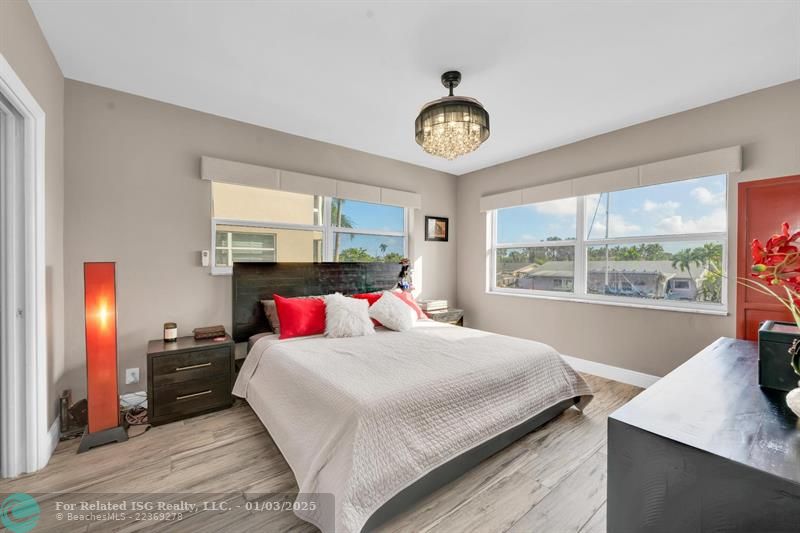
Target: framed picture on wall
[{"x": 436, "y": 228}]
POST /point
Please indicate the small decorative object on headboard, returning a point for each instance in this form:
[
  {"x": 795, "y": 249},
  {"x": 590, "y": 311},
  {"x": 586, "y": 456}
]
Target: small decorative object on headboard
[
  {"x": 404, "y": 280},
  {"x": 253, "y": 282}
]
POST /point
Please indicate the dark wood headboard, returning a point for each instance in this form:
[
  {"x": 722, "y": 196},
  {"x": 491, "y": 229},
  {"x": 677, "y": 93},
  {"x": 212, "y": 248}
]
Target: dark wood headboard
[{"x": 253, "y": 282}]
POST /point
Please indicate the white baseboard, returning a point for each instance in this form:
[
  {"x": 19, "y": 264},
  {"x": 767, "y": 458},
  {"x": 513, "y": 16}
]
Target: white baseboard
[
  {"x": 49, "y": 445},
  {"x": 623, "y": 375}
]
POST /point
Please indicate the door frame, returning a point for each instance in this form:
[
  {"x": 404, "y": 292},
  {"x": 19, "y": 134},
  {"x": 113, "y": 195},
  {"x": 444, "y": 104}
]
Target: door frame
[
  {"x": 25, "y": 443},
  {"x": 743, "y": 248}
]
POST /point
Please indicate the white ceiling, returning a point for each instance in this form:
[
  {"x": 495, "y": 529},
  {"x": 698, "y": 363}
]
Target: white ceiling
[{"x": 356, "y": 73}]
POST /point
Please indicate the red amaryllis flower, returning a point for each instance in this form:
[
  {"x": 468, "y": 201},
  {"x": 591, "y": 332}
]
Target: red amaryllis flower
[
  {"x": 784, "y": 238},
  {"x": 757, "y": 251},
  {"x": 778, "y": 262}
]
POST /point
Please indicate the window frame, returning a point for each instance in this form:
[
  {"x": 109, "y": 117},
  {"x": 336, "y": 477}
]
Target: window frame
[
  {"x": 327, "y": 230},
  {"x": 580, "y": 293},
  {"x": 230, "y": 248}
]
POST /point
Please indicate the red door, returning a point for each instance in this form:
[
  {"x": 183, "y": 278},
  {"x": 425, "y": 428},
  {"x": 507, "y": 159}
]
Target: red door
[{"x": 763, "y": 206}]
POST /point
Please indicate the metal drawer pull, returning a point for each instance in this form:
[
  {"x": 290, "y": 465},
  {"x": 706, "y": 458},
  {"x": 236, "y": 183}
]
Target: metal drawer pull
[
  {"x": 192, "y": 367},
  {"x": 193, "y": 395}
]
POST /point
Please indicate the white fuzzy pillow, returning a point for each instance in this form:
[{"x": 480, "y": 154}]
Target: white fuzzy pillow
[
  {"x": 347, "y": 317},
  {"x": 393, "y": 312}
]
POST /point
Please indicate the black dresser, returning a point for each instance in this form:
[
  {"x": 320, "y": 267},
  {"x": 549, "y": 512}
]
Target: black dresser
[
  {"x": 705, "y": 449},
  {"x": 188, "y": 377}
]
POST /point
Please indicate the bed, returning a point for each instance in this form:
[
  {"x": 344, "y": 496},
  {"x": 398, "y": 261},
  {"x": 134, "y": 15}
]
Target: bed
[{"x": 380, "y": 421}]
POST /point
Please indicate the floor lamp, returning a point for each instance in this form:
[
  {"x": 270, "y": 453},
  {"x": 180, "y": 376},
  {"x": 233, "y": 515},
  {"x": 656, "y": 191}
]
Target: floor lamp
[{"x": 100, "y": 307}]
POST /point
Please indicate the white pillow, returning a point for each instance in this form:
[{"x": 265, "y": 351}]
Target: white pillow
[
  {"x": 393, "y": 312},
  {"x": 347, "y": 317}
]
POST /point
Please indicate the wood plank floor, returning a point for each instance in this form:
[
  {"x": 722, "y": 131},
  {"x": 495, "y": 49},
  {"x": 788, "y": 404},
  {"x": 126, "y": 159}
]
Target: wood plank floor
[{"x": 552, "y": 480}]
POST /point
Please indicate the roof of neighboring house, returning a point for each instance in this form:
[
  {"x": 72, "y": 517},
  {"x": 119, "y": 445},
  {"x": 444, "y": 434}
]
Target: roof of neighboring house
[
  {"x": 526, "y": 269},
  {"x": 562, "y": 268}
]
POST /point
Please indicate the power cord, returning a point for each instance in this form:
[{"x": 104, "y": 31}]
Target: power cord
[{"x": 136, "y": 416}]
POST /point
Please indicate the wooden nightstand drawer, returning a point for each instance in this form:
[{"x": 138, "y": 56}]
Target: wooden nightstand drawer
[
  {"x": 191, "y": 397},
  {"x": 187, "y": 366},
  {"x": 188, "y": 377}
]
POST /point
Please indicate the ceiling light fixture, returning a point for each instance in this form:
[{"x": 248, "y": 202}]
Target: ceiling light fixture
[{"x": 453, "y": 125}]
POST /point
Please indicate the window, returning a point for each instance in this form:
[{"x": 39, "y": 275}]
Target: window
[
  {"x": 365, "y": 232},
  {"x": 239, "y": 243},
  {"x": 252, "y": 224},
  {"x": 662, "y": 245}
]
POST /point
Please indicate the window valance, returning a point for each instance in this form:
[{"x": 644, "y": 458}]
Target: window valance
[
  {"x": 719, "y": 161},
  {"x": 223, "y": 170}
]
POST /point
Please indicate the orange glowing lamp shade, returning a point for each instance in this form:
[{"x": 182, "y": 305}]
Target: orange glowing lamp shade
[{"x": 100, "y": 301}]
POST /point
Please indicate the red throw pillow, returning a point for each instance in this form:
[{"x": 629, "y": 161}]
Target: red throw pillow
[
  {"x": 411, "y": 302},
  {"x": 300, "y": 317},
  {"x": 371, "y": 298}
]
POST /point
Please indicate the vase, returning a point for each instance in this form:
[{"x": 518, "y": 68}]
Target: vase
[{"x": 793, "y": 400}]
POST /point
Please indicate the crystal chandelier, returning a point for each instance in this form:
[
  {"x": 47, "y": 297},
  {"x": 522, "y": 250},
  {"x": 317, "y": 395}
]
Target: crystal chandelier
[{"x": 453, "y": 125}]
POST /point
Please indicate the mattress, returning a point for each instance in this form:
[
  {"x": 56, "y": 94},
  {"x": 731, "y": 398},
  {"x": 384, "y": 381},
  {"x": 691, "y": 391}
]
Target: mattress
[
  {"x": 254, "y": 339},
  {"x": 363, "y": 418}
]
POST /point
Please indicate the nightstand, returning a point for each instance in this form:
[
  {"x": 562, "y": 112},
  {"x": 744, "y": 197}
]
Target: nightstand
[
  {"x": 188, "y": 378},
  {"x": 449, "y": 316}
]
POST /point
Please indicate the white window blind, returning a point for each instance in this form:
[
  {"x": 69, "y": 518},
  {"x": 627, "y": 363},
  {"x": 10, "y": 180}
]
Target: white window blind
[
  {"x": 722, "y": 161},
  {"x": 234, "y": 172}
]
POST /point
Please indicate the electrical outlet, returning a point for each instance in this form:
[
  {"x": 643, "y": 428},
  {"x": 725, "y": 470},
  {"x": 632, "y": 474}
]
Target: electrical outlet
[{"x": 131, "y": 376}]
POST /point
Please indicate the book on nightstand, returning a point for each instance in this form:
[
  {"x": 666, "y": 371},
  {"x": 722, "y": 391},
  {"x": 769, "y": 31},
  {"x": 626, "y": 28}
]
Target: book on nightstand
[{"x": 432, "y": 305}]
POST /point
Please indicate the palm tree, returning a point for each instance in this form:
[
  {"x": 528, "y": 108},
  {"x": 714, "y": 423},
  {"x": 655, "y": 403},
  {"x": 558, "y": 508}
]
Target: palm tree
[
  {"x": 342, "y": 221},
  {"x": 710, "y": 254},
  {"x": 383, "y": 246},
  {"x": 685, "y": 259}
]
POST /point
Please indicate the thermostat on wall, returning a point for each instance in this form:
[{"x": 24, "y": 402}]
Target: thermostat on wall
[{"x": 204, "y": 258}]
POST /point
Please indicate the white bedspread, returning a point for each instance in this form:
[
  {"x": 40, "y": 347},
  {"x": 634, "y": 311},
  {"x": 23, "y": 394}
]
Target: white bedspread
[{"x": 363, "y": 418}]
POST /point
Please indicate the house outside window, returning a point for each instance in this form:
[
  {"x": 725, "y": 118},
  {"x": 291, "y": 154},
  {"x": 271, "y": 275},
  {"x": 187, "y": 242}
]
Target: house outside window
[
  {"x": 662, "y": 245},
  {"x": 252, "y": 224}
]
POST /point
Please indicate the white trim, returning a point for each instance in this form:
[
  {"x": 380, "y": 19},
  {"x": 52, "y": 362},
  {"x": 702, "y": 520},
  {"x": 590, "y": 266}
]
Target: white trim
[
  {"x": 267, "y": 225},
  {"x": 24, "y": 380},
  {"x": 580, "y": 266},
  {"x": 623, "y": 375},
  {"x": 383, "y": 233},
  {"x": 647, "y": 239},
  {"x": 53, "y": 436},
  {"x": 536, "y": 244},
  {"x": 618, "y": 301}
]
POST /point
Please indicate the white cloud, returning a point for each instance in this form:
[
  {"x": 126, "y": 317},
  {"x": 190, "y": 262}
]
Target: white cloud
[
  {"x": 618, "y": 227},
  {"x": 706, "y": 197},
  {"x": 665, "y": 207},
  {"x": 561, "y": 207},
  {"x": 715, "y": 221},
  {"x": 598, "y": 230}
]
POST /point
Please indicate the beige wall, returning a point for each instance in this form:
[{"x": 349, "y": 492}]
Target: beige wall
[
  {"x": 135, "y": 196},
  {"x": 766, "y": 123},
  {"x": 264, "y": 205},
  {"x": 24, "y": 47}
]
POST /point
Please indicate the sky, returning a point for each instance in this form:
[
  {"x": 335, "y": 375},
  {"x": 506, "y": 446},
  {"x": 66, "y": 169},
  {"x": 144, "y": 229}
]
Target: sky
[
  {"x": 373, "y": 216},
  {"x": 690, "y": 206}
]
